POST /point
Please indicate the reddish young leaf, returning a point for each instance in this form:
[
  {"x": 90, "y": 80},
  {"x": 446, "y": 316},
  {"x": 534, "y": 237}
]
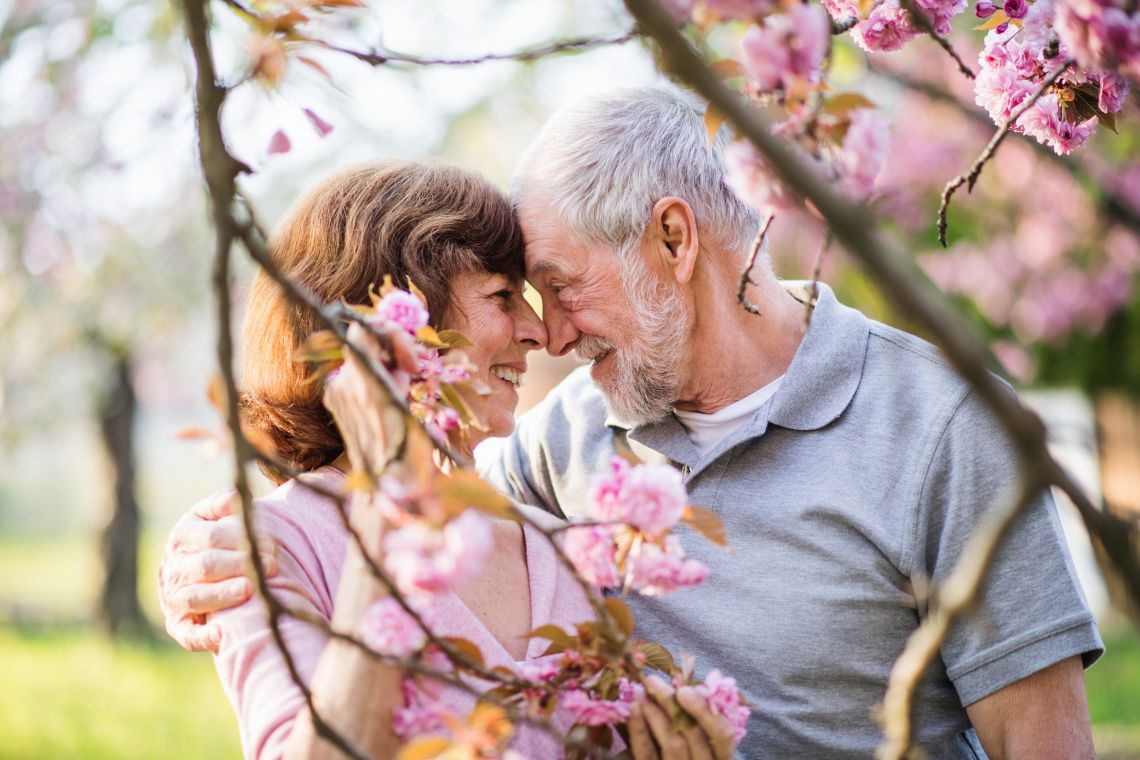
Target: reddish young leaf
[
  {"x": 466, "y": 648},
  {"x": 705, "y": 522},
  {"x": 621, "y": 614}
]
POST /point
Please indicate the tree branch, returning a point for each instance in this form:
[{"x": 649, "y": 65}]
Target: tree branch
[
  {"x": 920, "y": 18},
  {"x": 971, "y": 176},
  {"x": 221, "y": 171},
  {"x": 381, "y": 58}
]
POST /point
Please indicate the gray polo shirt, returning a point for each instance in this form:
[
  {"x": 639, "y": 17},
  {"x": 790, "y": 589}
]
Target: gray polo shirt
[{"x": 859, "y": 480}]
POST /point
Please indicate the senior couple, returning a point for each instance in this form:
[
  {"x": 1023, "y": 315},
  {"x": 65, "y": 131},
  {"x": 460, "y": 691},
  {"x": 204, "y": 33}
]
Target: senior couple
[{"x": 847, "y": 460}]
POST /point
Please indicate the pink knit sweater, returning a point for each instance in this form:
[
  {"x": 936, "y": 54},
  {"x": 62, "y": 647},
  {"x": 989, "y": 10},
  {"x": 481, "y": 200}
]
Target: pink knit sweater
[{"x": 311, "y": 543}]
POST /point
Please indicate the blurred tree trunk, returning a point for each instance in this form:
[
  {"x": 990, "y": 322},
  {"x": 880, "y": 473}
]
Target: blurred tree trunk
[{"x": 119, "y": 608}]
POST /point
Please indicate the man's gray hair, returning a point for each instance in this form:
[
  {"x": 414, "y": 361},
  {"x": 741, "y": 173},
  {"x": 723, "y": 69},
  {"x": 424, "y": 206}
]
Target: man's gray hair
[{"x": 605, "y": 161}]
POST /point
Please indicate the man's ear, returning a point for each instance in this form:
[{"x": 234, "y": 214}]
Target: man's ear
[{"x": 676, "y": 241}]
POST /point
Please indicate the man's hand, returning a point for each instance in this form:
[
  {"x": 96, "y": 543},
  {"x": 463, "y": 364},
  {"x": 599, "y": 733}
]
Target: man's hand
[
  {"x": 1044, "y": 716},
  {"x": 652, "y": 735},
  {"x": 206, "y": 568}
]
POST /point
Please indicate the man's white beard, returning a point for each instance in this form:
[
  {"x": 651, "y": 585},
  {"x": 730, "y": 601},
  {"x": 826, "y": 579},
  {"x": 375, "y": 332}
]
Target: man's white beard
[{"x": 647, "y": 375}]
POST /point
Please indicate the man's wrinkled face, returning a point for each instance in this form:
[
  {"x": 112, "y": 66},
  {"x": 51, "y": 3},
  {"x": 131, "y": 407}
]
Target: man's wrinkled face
[{"x": 627, "y": 321}]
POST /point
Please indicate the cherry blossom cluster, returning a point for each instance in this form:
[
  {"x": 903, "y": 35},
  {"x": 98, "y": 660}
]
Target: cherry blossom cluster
[
  {"x": 1101, "y": 34},
  {"x": 629, "y": 544},
  {"x": 1019, "y": 53},
  {"x": 889, "y": 24},
  {"x": 396, "y": 311}
]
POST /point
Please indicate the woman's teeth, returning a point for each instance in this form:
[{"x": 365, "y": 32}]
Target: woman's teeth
[{"x": 512, "y": 376}]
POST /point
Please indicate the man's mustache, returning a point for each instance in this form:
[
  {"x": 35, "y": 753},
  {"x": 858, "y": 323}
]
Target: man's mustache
[{"x": 591, "y": 348}]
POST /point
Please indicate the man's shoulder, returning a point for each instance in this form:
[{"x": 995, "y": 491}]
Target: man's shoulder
[
  {"x": 575, "y": 400},
  {"x": 904, "y": 360}
]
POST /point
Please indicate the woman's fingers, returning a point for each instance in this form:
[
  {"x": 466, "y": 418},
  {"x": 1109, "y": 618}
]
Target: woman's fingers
[{"x": 716, "y": 727}]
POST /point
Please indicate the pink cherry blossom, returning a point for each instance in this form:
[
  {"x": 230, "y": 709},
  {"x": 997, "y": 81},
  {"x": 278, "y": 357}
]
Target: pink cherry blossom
[
  {"x": 680, "y": 10},
  {"x": 388, "y": 629},
  {"x": 403, "y": 308},
  {"x": 788, "y": 48},
  {"x": 864, "y": 153},
  {"x": 752, "y": 180},
  {"x": 320, "y": 125},
  {"x": 887, "y": 27},
  {"x": 279, "y": 143},
  {"x": 606, "y": 502},
  {"x": 419, "y": 714},
  {"x": 1113, "y": 91},
  {"x": 1101, "y": 34},
  {"x": 724, "y": 699},
  {"x": 653, "y": 498},
  {"x": 1045, "y": 122},
  {"x": 661, "y": 569},
  {"x": 940, "y": 12},
  {"x": 425, "y": 560},
  {"x": 591, "y": 549},
  {"x": 541, "y": 670},
  {"x": 588, "y": 711},
  {"x": 743, "y": 10}
]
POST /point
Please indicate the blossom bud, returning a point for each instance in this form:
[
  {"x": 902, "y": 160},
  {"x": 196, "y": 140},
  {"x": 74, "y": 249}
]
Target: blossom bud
[
  {"x": 1002, "y": 28},
  {"x": 1016, "y": 8},
  {"x": 984, "y": 9}
]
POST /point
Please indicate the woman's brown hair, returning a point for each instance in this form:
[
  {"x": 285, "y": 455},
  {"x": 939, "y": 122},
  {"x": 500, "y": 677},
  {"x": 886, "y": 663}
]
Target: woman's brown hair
[{"x": 408, "y": 220}]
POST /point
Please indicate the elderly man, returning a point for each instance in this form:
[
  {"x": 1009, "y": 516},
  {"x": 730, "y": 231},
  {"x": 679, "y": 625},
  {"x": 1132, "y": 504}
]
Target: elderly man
[{"x": 848, "y": 461}]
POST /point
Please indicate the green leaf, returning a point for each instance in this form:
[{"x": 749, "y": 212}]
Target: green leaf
[
  {"x": 621, "y": 614},
  {"x": 706, "y": 522},
  {"x": 656, "y": 656},
  {"x": 465, "y": 648}
]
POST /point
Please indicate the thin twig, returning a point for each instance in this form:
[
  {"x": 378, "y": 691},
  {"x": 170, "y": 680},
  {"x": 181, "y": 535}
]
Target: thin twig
[
  {"x": 381, "y": 58},
  {"x": 809, "y": 307},
  {"x": 971, "y": 177},
  {"x": 920, "y": 18},
  {"x": 746, "y": 275}
]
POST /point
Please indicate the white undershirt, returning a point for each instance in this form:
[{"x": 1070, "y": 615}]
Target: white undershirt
[{"x": 707, "y": 430}]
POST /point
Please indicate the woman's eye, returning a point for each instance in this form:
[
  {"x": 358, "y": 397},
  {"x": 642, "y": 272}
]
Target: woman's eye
[{"x": 505, "y": 294}]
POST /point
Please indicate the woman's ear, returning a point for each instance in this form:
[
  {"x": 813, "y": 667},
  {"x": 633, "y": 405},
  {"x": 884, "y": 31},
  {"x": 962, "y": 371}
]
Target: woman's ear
[{"x": 677, "y": 241}]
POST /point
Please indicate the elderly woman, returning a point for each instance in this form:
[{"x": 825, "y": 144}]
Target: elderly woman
[{"x": 455, "y": 236}]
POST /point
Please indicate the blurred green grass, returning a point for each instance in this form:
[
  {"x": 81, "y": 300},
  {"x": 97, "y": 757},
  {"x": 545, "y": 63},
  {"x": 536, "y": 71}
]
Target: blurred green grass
[{"x": 78, "y": 695}]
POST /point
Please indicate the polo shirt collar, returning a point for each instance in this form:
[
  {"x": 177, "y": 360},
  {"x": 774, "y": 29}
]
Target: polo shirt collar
[{"x": 816, "y": 389}]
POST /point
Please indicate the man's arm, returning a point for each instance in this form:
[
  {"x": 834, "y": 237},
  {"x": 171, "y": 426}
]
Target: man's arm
[{"x": 1043, "y": 716}]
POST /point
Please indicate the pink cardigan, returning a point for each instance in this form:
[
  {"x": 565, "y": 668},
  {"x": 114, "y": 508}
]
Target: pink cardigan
[{"x": 310, "y": 540}]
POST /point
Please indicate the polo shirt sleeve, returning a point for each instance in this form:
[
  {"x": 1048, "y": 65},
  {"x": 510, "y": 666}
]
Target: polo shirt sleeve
[{"x": 1031, "y": 612}]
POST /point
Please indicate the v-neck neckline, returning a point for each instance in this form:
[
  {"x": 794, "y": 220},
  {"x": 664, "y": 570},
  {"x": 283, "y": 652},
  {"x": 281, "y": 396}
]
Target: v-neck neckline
[{"x": 478, "y": 630}]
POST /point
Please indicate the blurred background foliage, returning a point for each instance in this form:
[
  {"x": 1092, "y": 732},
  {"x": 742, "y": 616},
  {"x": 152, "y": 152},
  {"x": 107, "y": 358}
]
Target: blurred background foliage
[{"x": 106, "y": 324}]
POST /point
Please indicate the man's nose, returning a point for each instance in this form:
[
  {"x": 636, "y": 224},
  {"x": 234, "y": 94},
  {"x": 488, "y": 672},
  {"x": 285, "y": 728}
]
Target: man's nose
[
  {"x": 561, "y": 334},
  {"x": 530, "y": 332}
]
